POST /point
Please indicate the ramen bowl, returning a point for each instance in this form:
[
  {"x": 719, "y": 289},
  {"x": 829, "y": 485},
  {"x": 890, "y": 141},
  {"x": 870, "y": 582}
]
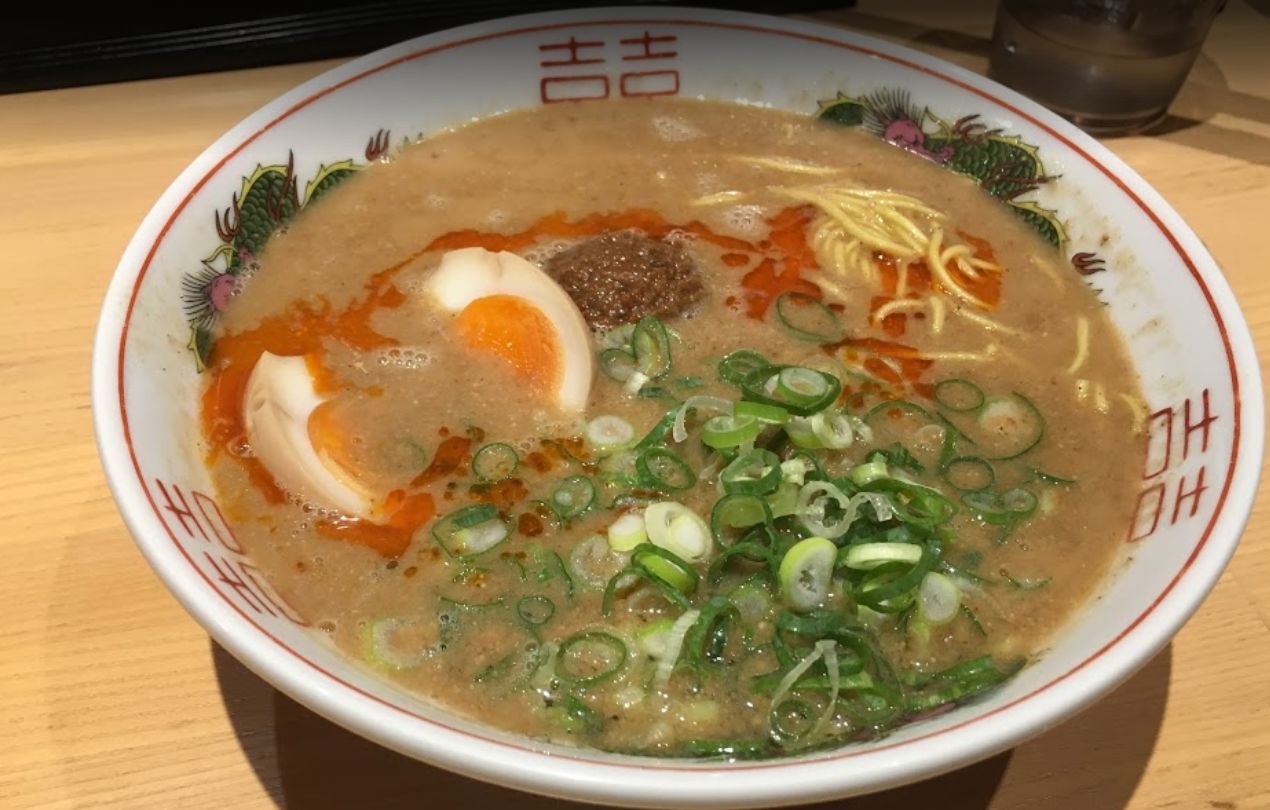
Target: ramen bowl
[{"x": 1160, "y": 286}]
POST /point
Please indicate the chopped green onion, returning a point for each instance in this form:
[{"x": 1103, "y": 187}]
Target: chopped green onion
[
  {"x": 590, "y": 657},
  {"x": 535, "y": 610},
  {"x": 938, "y": 599},
  {"x": 835, "y": 431},
  {"x": 594, "y": 561},
  {"x": 652, "y": 639},
  {"x": 800, "y": 390},
  {"x": 973, "y": 619},
  {"x": 865, "y": 474},
  {"x": 495, "y": 462},
  {"x": 902, "y": 406},
  {"x": 754, "y": 472},
  {"x": 753, "y": 599},
  {"x": 674, "y": 646},
  {"x": 784, "y": 501},
  {"x": 806, "y": 572},
  {"x": 1002, "y": 508},
  {"x": 1055, "y": 480},
  {"x": 959, "y": 395},
  {"x": 577, "y": 717},
  {"x": 737, "y": 511},
  {"x": 794, "y": 470},
  {"x": 898, "y": 455},
  {"x": 867, "y": 556},
  {"x": 617, "y": 364},
  {"x": 496, "y": 670},
  {"x": 470, "y": 531},
  {"x": 802, "y": 386},
  {"x": 619, "y": 337},
  {"x": 569, "y": 584},
  {"x": 662, "y": 470},
  {"x": 781, "y": 735},
  {"x": 651, "y": 345},
  {"x": 956, "y": 683},
  {"x": 969, "y": 473},
  {"x": 722, "y": 432},
  {"x": 727, "y": 750},
  {"x": 678, "y": 529},
  {"x": 710, "y": 625},
  {"x": 679, "y": 430},
  {"x": 656, "y": 392},
  {"x": 573, "y": 496},
  {"x": 546, "y": 512},
  {"x": 635, "y": 383},
  {"x": 667, "y": 567},
  {"x": 609, "y": 432},
  {"x": 382, "y": 643},
  {"x": 767, "y": 414},
  {"x": 634, "y": 572},
  {"x": 739, "y": 365},
  {"x": 1024, "y": 584},
  {"x": 802, "y": 432},
  {"x": 659, "y": 431},
  {"x": 816, "y": 498},
  {"x": 890, "y": 589},
  {"x": 1009, "y": 427},
  {"x": 807, "y": 318},
  {"x": 627, "y": 532}
]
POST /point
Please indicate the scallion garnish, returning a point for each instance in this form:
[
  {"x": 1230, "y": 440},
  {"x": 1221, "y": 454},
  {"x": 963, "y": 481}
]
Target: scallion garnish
[{"x": 495, "y": 462}]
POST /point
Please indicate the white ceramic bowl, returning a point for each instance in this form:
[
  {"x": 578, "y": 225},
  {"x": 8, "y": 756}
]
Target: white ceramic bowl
[{"x": 1161, "y": 286}]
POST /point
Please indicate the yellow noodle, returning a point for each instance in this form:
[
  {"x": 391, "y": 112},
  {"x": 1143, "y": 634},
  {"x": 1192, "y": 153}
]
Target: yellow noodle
[
  {"x": 900, "y": 201},
  {"x": 969, "y": 357},
  {"x": 719, "y": 197},
  {"x": 983, "y": 264},
  {"x": 1100, "y": 398},
  {"x": 1082, "y": 345},
  {"x": 1138, "y": 409},
  {"x": 850, "y": 225},
  {"x": 785, "y": 165},
  {"x": 1049, "y": 271},
  {"x": 941, "y": 272},
  {"x": 986, "y": 322},
  {"x": 891, "y": 307},
  {"x": 937, "y": 309},
  {"x": 903, "y": 225},
  {"x": 824, "y": 282}
]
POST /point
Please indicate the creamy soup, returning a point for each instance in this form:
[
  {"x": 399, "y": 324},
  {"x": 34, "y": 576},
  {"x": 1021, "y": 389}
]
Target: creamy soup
[{"x": 676, "y": 428}]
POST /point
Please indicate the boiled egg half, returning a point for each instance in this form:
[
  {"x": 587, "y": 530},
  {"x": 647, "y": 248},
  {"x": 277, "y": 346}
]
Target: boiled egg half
[
  {"x": 278, "y": 410},
  {"x": 506, "y": 307}
]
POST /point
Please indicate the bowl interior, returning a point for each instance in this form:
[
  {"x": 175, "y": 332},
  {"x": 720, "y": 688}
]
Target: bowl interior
[{"x": 1160, "y": 286}]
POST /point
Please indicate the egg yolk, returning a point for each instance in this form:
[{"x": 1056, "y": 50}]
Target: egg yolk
[
  {"x": 516, "y": 331},
  {"x": 328, "y": 433}
]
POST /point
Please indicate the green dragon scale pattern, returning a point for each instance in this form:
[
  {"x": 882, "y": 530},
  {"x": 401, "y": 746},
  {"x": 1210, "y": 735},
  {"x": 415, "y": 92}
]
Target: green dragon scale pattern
[
  {"x": 1004, "y": 165},
  {"x": 268, "y": 200}
]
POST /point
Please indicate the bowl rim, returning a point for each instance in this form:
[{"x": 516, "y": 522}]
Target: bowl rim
[{"x": 626, "y": 782}]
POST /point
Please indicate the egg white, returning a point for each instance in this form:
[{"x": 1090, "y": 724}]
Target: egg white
[{"x": 279, "y": 401}]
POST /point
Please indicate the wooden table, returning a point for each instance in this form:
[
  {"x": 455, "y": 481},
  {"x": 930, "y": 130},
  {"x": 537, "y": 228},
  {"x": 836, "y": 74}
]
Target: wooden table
[{"x": 113, "y": 696}]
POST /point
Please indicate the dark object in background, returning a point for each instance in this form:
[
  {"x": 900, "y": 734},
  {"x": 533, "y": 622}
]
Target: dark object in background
[
  {"x": 95, "y": 44},
  {"x": 1109, "y": 66}
]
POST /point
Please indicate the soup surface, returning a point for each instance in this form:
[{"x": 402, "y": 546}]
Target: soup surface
[{"x": 761, "y": 436}]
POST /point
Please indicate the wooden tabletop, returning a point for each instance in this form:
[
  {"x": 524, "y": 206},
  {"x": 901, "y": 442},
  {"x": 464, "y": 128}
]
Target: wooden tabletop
[{"x": 112, "y": 696}]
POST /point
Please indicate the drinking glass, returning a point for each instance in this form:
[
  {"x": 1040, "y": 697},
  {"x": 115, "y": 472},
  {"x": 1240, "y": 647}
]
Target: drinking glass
[{"x": 1109, "y": 66}]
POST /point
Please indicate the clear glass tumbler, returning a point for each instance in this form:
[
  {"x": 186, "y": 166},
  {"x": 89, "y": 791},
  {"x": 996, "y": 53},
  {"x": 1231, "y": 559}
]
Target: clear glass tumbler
[{"x": 1110, "y": 66}]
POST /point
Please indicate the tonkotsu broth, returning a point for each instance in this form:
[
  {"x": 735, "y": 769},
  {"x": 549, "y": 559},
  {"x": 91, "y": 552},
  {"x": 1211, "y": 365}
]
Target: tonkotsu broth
[{"x": 406, "y": 392}]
